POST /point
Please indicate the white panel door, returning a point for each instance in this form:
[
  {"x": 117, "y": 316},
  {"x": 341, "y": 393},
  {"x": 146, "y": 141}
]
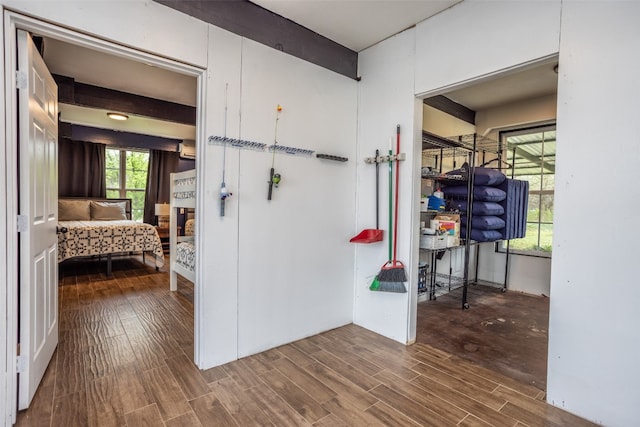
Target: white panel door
[{"x": 38, "y": 205}]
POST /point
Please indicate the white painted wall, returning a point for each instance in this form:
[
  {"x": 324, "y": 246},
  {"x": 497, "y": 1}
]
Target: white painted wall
[
  {"x": 295, "y": 261},
  {"x": 386, "y": 99},
  {"x": 593, "y": 332},
  {"x": 219, "y": 303},
  {"x": 478, "y": 38},
  {"x": 271, "y": 272}
]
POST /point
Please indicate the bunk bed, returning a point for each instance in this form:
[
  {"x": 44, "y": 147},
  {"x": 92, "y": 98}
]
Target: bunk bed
[
  {"x": 182, "y": 247},
  {"x": 100, "y": 226}
]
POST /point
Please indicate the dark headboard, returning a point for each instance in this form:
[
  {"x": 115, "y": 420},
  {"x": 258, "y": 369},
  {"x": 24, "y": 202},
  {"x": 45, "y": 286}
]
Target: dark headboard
[{"x": 127, "y": 208}]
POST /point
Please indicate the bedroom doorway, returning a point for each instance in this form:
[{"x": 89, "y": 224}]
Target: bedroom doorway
[{"x": 16, "y": 22}]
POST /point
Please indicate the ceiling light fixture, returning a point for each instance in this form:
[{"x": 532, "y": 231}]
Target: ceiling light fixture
[{"x": 118, "y": 116}]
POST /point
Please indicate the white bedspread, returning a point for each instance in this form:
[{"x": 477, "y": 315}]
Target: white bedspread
[{"x": 86, "y": 238}]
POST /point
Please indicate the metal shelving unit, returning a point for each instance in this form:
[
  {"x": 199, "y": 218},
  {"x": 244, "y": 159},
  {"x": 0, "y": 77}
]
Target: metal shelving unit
[{"x": 436, "y": 148}]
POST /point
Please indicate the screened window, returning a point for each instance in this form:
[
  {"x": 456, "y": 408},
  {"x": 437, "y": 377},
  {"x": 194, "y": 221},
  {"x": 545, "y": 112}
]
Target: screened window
[
  {"x": 126, "y": 173},
  {"x": 532, "y": 152}
]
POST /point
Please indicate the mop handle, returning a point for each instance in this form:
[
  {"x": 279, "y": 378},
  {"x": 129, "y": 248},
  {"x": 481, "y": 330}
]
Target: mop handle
[
  {"x": 377, "y": 186},
  {"x": 390, "y": 200},
  {"x": 395, "y": 227}
]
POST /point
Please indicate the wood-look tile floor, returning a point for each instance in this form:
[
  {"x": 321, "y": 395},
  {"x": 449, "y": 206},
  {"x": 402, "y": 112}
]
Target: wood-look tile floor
[{"x": 125, "y": 359}]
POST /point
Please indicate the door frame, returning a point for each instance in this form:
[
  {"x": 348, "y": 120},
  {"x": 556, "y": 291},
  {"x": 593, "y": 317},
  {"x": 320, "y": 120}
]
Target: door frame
[{"x": 9, "y": 182}]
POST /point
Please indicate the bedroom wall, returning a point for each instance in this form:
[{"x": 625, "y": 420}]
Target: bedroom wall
[{"x": 271, "y": 272}]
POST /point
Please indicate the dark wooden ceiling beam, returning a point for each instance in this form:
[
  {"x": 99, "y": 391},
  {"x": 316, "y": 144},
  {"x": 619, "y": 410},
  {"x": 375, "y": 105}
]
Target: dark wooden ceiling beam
[
  {"x": 84, "y": 95},
  {"x": 263, "y": 26},
  {"x": 452, "y": 108}
]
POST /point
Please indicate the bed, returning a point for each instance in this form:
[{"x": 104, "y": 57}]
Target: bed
[
  {"x": 99, "y": 226},
  {"x": 182, "y": 248}
]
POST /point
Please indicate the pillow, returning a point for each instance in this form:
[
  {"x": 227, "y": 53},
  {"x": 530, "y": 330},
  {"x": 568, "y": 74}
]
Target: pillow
[
  {"x": 481, "y": 176},
  {"x": 108, "y": 211},
  {"x": 481, "y": 235},
  {"x": 190, "y": 227},
  {"x": 73, "y": 210},
  {"x": 479, "y": 208},
  {"x": 484, "y": 222},
  {"x": 480, "y": 193}
]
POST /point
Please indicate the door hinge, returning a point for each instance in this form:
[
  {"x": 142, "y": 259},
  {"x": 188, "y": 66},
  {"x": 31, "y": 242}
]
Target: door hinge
[
  {"x": 21, "y": 363},
  {"x": 22, "y": 223},
  {"x": 21, "y": 80}
]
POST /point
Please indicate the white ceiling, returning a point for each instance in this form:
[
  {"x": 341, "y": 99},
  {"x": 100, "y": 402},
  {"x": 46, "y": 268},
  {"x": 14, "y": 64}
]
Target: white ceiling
[{"x": 356, "y": 24}]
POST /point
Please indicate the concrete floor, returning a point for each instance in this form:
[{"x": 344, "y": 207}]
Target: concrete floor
[{"x": 504, "y": 332}]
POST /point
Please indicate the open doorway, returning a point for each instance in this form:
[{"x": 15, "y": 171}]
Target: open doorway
[
  {"x": 509, "y": 117},
  {"x": 89, "y": 332}
]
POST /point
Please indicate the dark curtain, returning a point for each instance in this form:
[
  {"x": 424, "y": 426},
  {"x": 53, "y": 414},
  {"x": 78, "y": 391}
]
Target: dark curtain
[
  {"x": 81, "y": 169},
  {"x": 161, "y": 164}
]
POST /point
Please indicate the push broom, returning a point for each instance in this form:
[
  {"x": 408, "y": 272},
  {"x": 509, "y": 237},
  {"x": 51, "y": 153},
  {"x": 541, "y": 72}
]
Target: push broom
[{"x": 392, "y": 276}]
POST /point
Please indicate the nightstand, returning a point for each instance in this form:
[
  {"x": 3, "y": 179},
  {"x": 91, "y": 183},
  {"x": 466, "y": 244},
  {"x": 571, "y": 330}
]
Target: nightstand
[{"x": 163, "y": 233}]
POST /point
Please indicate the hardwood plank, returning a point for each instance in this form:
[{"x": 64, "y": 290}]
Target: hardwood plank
[
  {"x": 464, "y": 402},
  {"x": 348, "y": 371},
  {"x": 75, "y": 340},
  {"x": 392, "y": 362},
  {"x": 389, "y": 416},
  {"x": 446, "y": 410},
  {"x": 348, "y": 413},
  {"x": 342, "y": 386},
  {"x": 98, "y": 362},
  {"x": 294, "y": 396},
  {"x": 526, "y": 417},
  {"x": 166, "y": 392},
  {"x": 120, "y": 350},
  {"x": 259, "y": 364},
  {"x": 71, "y": 374},
  {"x": 483, "y": 396},
  {"x": 104, "y": 407},
  {"x": 308, "y": 345},
  {"x": 214, "y": 374},
  {"x": 147, "y": 416},
  {"x": 428, "y": 350},
  {"x": 40, "y": 410},
  {"x": 346, "y": 352},
  {"x": 471, "y": 421},
  {"x": 456, "y": 371},
  {"x": 239, "y": 403},
  {"x": 297, "y": 356},
  {"x": 210, "y": 411},
  {"x": 330, "y": 421},
  {"x": 307, "y": 382},
  {"x": 278, "y": 411},
  {"x": 496, "y": 377},
  {"x": 70, "y": 410},
  {"x": 185, "y": 420},
  {"x": 188, "y": 376},
  {"x": 131, "y": 389},
  {"x": 410, "y": 408},
  {"x": 149, "y": 353},
  {"x": 241, "y": 375},
  {"x": 540, "y": 409}
]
